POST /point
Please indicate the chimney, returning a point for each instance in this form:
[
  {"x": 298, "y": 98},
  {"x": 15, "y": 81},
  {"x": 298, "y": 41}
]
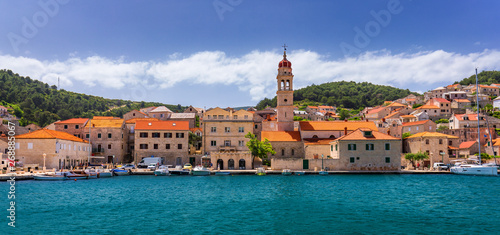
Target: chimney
[
  {"x": 269, "y": 117},
  {"x": 389, "y": 132},
  {"x": 345, "y": 130},
  {"x": 345, "y": 120}
]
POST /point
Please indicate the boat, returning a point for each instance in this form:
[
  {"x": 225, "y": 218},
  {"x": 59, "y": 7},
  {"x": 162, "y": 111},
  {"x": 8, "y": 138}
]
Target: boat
[
  {"x": 200, "y": 171},
  {"x": 323, "y": 172},
  {"x": 179, "y": 171},
  {"x": 260, "y": 171},
  {"x": 98, "y": 173},
  {"x": 220, "y": 173},
  {"x": 120, "y": 172},
  {"x": 299, "y": 172},
  {"x": 286, "y": 172},
  {"x": 76, "y": 176},
  {"x": 162, "y": 171},
  {"x": 49, "y": 177},
  {"x": 479, "y": 168}
]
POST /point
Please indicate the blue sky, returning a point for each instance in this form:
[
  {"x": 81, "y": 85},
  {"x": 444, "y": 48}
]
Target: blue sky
[{"x": 225, "y": 52}]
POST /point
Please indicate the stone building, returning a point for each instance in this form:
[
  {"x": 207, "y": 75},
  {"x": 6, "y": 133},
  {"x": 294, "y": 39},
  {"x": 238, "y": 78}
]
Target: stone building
[
  {"x": 198, "y": 111},
  {"x": 134, "y": 114},
  {"x": 435, "y": 145},
  {"x": 160, "y": 112},
  {"x": 73, "y": 126},
  {"x": 130, "y": 133},
  {"x": 62, "y": 150},
  {"x": 108, "y": 137},
  {"x": 331, "y": 129},
  {"x": 419, "y": 126},
  {"x": 166, "y": 139},
  {"x": 189, "y": 117},
  {"x": 458, "y": 121}
]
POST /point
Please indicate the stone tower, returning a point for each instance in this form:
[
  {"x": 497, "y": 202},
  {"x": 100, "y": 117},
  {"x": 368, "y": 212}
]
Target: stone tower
[{"x": 285, "y": 95}]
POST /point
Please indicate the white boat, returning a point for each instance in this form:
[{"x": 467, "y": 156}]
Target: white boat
[
  {"x": 49, "y": 177},
  {"x": 299, "y": 172},
  {"x": 101, "y": 173},
  {"x": 162, "y": 171},
  {"x": 200, "y": 170},
  {"x": 120, "y": 172},
  {"x": 475, "y": 169},
  {"x": 286, "y": 172}
]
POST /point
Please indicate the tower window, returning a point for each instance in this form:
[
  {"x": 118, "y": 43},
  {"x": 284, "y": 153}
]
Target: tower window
[{"x": 286, "y": 100}]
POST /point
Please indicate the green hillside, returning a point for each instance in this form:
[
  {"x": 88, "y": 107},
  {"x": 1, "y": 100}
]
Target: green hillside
[
  {"x": 484, "y": 77},
  {"x": 343, "y": 94},
  {"x": 36, "y": 102}
]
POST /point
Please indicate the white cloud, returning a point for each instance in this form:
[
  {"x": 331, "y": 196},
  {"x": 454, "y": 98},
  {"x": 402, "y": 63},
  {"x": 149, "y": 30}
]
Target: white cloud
[{"x": 255, "y": 72}]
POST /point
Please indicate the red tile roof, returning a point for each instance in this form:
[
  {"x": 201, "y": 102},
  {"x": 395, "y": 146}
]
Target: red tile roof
[
  {"x": 428, "y": 107},
  {"x": 359, "y": 134},
  {"x": 462, "y": 100},
  {"x": 50, "y": 134},
  {"x": 335, "y": 125},
  {"x": 280, "y": 136},
  {"x": 376, "y": 110},
  {"x": 103, "y": 117},
  {"x": 466, "y": 145},
  {"x": 312, "y": 107},
  {"x": 472, "y": 117},
  {"x": 317, "y": 141},
  {"x": 134, "y": 120},
  {"x": 441, "y": 100},
  {"x": 73, "y": 121},
  {"x": 416, "y": 123},
  {"x": 162, "y": 125},
  {"x": 196, "y": 129},
  {"x": 491, "y": 87}
]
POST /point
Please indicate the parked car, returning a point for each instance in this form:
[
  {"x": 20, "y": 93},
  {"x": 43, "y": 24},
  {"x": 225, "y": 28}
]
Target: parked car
[
  {"x": 440, "y": 166},
  {"x": 129, "y": 166},
  {"x": 152, "y": 166},
  {"x": 187, "y": 166}
]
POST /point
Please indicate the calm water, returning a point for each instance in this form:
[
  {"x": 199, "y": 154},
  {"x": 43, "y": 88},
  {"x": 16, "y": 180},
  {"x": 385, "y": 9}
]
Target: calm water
[{"x": 343, "y": 204}]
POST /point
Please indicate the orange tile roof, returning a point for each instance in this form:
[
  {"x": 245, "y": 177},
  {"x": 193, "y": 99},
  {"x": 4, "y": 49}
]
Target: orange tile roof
[
  {"x": 280, "y": 136},
  {"x": 467, "y": 144},
  {"x": 134, "y": 120},
  {"x": 335, "y": 125},
  {"x": 407, "y": 116},
  {"x": 102, "y": 117},
  {"x": 376, "y": 110},
  {"x": 491, "y": 87},
  {"x": 428, "y": 107},
  {"x": 462, "y": 100},
  {"x": 73, "y": 121},
  {"x": 431, "y": 134},
  {"x": 196, "y": 129},
  {"x": 416, "y": 123},
  {"x": 359, "y": 135},
  {"x": 472, "y": 117},
  {"x": 396, "y": 104},
  {"x": 454, "y": 85},
  {"x": 325, "y": 107},
  {"x": 50, "y": 134},
  {"x": 162, "y": 125},
  {"x": 452, "y": 148},
  {"x": 317, "y": 141},
  {"x": 411, "y": 99},
  {"x": 312, "y": 107},
  {"x": 111, "y": 123},
  {"x": 441, "y": 100},
  {"x": 392, "y": 114}
]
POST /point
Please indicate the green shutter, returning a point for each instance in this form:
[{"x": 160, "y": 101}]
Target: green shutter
[
  {"x": 354, "y": 146},
  {"x": 331, "y": 147},
  {"x": 351, "y": 160},
  {"x": 387, "y": 146},
  {"x": 387, "y": 160},
  {"x": 336, "y": 147},
  {"x": 367, "y": 146},
  {"x": 349, "y": 147}
]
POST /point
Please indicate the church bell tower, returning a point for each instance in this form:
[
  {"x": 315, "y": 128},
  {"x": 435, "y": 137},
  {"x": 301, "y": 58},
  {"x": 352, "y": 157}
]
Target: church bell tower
[{"x": 285, "y": 94}]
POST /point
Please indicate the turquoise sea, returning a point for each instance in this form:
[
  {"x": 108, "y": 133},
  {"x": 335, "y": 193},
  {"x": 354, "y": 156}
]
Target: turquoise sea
[{"x": 334, "y": 204}]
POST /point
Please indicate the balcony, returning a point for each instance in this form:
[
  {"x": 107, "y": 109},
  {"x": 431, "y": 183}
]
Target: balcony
[
  {"x": 97, "y": 151},
  {"x": 225, "y": 148}
]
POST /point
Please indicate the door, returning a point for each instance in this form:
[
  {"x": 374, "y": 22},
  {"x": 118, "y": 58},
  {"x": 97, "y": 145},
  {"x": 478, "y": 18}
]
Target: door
[
  {"x": 305, "y": 164},
  {"x": 192, "y": 160},
  {"x": 178, "y": 161},
  {"x": 110, "y": 159},
  {"x": 220, "y": 164}
]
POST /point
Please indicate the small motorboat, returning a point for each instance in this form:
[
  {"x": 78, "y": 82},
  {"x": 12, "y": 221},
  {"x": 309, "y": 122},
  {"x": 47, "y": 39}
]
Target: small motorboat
[
  {"x": 200, "y": 171},
  {"x": 49, "y": 177},
  {"x": 179, "y": 171},
  {"x": 120, "y": 172},
  {"x": 323, "y": 172},
  {"x": 260, "y": 171},
  {"x": 104, "y": 173},
  {"x": 222, "y": 173},
  {"x": 162, "y": 171},
  {"x": 76, "y": 176},
  {"x": 286, "y": 172},
  {"x": 299, "y": 173}
]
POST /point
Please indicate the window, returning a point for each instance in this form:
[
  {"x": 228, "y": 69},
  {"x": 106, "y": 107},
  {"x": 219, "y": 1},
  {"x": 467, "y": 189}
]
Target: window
[
  {"x": 336, "y": 147},
  {"x": 109, "y": 146},
  {"x": 246, "y": 116},
  {"x": 440, "y": 141},
  {"x": 256, "y": 126},
  {"x": 65, "y": 126},
  {"x": 143, "y": 146},
  {"x": 77, "y": 126},
  {"x": 370, "y": 147},
  {"x": 282, "y": 152},
  {"x": 387, "y": 146},
  {"x": 227, "y": 142},
  {"x": 155, "y": 146},
  {"x": 213, "y": 129},
  {"x": 30, "y": 145},
  {"x": 351, "y": 160},
  {"x": 179, "y": 135},
  {"x": 387, "y": 160},
  {"x": 99, "y": 135},
  {"x": 293, "y": 151},
  {"x": 179, "y": 146},
  {"x": 450, "y": 142},
  {"x": 315, "y": 136},
  {"x": 213, "y": 143},
  {"x": 208, "y": 116},
  {"x": 235, "y": 116},
  {"x": 221, "y": 117},
  {"x": 241, "y": 129},
  {"x": 87, "y": 136},
  {"x": 331, "y": 147},
  {"x": 426, "y": 141},
  {"x": 155, "y": 134},
  {"x": 241, "y": 143},
  {"x": 351, "y": 147},
  {"x": 227, "y": 129},
  {"x": 162, "y": 115},
  {"x": 167, "y": 135},
  {"x": 143, "y": 135},
  {"x": 109, "y": 135},
  {"x": 167, "y": 146}
]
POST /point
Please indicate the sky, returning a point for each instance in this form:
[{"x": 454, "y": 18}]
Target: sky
[{"x": 225, "y": 53}]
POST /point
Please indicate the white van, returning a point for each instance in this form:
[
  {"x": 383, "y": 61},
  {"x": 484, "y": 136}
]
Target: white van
[{"x": 148, "y": 160}]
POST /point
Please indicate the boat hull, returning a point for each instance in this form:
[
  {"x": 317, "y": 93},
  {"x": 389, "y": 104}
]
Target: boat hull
[
  {"x": 222, "y": 173},
  {"x": 161, "y": 173},
  {"x": 120, "y": 172},
  {"x": 286, "y": 173},
  {"x": 475, "y": 170},
  {"x": 200, "y": 173},
  {"x": 182, "y": 172},
  {"x": 323, "y": 173},
  {"x": 105, "y": 174},
  {"x": 49, "y": 178},
  {"x": 299, "y": 173}
]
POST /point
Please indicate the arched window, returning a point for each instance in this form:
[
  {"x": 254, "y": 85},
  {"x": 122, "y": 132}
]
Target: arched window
[
  {"x": 287, "y": 85},
  {"x": 332, "y": 137},
  {"x": 220, "y": 164},
  {"x": 282, "y": 152},
  {"x": 282, "y": 84},
  {"x": 230, "y": 164},
  {"x": 242, "y": 164},
  {"x": 315, "y": 136},
  {"x": 293, "y": 151}
]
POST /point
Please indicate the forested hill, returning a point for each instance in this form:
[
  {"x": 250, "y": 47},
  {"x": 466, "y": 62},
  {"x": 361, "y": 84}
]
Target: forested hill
[
  {"x": 344, "y": 94},
  {"x": 36, "y": 102},
  {"x": 484, "y": 77}
]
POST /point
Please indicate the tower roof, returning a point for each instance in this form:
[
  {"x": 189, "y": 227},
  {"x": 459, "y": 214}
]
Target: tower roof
[{"x": 285, "y": 62}]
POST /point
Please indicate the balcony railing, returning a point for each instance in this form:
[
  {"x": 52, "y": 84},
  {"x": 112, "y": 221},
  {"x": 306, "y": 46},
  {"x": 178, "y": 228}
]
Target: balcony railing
[
  {"x": 227, "y": 148},
  {"x": 98, "y": 151}
]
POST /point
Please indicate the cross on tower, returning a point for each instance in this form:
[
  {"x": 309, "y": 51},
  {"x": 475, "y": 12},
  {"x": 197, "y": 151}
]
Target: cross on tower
[{"x": 284, "y": 46}]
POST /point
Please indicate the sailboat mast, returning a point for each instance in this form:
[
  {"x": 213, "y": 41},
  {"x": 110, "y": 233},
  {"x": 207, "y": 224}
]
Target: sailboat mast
[{"x": 477, "y": 108}]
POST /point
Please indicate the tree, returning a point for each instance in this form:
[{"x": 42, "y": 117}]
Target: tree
[
  {"x": 297, "y": 118},
  {"x": 406, "y": 135},
  {"x": 258, "y": 148},
  {"x": 416, "y": 106},
  {"x": 415, "y": 157},
  {"x": 485, "y": 156},
  {"x": 442, "y": 128},
  {"x": 197, "y": 121},
  {"x": 442, "y": 120}
]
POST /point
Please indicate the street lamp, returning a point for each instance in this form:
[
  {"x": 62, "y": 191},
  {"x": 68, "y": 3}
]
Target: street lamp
[{"x": 44, "y": 155}]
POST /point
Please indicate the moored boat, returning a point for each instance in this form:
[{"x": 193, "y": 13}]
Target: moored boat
[
  {"x": 299, "y": 172},
  {"x": 260, "y": 171},
  {"x": 179, "y": 171},
  {"x": 472, "y": 169},
  {"x": 286, "y": 172},
  {"x": 162, "y": 171},
  {"x": 323, "y": 172},
  {"x": 200, "y": 171},
  {"x": 120, "y": 172},
  {"x": 49, "y": 177},
  {"x": 222, "y": 173}
]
